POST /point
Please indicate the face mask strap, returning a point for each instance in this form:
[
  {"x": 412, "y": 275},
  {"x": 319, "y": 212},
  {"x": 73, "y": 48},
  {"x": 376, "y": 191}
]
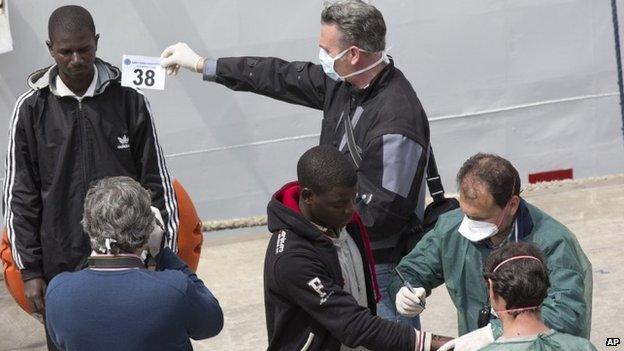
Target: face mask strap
[
  {"x": 343, "y": 52},
  {"x": 340, "y": 54},
  {"x": 366, "y": 68},
  {"x": 519, "y": 309},
  {"x": 499, "y": 221},
  {"x": 383, "y": 58}
]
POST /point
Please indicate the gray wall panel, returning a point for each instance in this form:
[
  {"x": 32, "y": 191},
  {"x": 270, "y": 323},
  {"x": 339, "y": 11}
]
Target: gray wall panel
[{"x": 462, "y": 57}]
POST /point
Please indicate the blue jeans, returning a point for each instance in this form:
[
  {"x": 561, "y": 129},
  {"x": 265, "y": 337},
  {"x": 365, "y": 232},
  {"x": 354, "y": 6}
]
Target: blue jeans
[{"x": 386, "y": 308}]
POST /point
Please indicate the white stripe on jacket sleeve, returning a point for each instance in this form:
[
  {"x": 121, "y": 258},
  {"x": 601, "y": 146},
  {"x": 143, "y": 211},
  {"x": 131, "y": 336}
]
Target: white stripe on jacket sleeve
[
  {"x": 168, "y": 191},
  {"x": 9, "y": 180}
]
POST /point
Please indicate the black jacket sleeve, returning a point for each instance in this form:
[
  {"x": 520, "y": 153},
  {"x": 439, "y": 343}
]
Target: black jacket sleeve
[
  {"x": 22, "y": 195},
  {"x": 301, "y": 83},
  {"x": 303, "y": 279},
  {"x": 153, "y": 173},
  {"x": 390, "y": 181}
]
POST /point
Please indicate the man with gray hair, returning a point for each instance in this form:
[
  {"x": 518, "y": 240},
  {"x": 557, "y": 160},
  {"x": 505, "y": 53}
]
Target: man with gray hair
[
  {"x": 116, "y": 304},
  {"x": 370, "y": 112}
]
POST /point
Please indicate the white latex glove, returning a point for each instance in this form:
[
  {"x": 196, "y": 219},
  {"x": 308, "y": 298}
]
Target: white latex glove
[
  {"x": 408, "y": 304},
  {"x": 156, "y": 236},
  {"x": 475, "y": 340},
  {"x": 179, "y": 55}
]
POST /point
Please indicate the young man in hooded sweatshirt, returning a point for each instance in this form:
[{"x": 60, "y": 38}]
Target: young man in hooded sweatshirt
[{"x": 320, "y": 287}]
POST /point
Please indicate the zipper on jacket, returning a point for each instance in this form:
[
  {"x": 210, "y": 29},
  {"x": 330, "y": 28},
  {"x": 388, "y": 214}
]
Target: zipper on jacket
[{"x": 83, "y": 146}]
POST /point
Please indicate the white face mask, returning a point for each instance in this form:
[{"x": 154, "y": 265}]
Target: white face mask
[
  {"x": 477, "y": 230},
  {"x": 328, "y": 63}
]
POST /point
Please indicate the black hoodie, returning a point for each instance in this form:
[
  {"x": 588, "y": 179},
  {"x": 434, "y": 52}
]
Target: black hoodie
[{"x": 306, "y": 305}]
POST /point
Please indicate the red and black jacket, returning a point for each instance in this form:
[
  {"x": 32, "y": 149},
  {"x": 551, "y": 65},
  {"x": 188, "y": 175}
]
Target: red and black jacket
[{"x": 306, "y": 305}]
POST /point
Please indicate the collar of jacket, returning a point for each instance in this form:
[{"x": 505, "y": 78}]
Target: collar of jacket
[
  {"x": 42, "y": 78},
  {"x": 284, "y": 213},
  {"x": 380, "y": 81},
  {"x": 115, "y": 261},
  {"x": 525, "y": 221}
]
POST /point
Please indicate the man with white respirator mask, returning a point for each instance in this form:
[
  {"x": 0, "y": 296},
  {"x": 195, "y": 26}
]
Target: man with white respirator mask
[
  {"x": 492, "y": 215},
  {"x": 370, "y": 113}
]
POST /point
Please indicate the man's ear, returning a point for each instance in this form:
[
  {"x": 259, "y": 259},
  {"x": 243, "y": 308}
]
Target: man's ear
[
  {"x": 97, "y": 37},
  {"x": 515, "y": 203},
  {"x": 354, "y": 55},
  {"x": 307, "y": 195},
  {"x": 49, "y": 45}
]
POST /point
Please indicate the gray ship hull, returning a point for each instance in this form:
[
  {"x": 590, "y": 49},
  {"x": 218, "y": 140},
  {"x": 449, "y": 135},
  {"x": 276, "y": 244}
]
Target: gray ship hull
[{"x": 534, "y": 81}]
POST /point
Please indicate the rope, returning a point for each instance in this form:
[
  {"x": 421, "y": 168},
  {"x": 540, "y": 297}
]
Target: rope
[{"x": 234, "y": 223}]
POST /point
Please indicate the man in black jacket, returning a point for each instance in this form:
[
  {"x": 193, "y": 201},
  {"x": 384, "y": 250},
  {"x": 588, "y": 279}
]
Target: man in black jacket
[
  {"x": 75, "y": 125},
  {"x": 356, "y": 84},
  {"x": 319, "y": 275}
]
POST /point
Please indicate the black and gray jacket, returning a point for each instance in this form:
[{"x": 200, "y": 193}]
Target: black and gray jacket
[
  {"x": 58, "y": 146},
  {"x": 305, "y": 303},
  {"x": 389, "y": 124}
]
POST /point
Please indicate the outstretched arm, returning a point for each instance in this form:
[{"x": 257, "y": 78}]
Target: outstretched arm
[{"x": 301, "y": 83}]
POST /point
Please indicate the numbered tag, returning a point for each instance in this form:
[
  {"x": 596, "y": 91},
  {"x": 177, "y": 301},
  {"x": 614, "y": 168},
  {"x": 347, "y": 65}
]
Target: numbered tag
[{"x": 142, "y": 72}]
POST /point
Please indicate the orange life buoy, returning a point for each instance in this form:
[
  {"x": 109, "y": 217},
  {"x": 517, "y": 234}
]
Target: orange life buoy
[
  {"x": 12, "y": 275},
  {"x": 190, "y": 240},
  {"x": 190, "y": 237}
]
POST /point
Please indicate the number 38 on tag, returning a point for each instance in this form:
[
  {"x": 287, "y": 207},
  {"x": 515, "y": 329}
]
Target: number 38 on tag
[{"x": 142, "y": 72}]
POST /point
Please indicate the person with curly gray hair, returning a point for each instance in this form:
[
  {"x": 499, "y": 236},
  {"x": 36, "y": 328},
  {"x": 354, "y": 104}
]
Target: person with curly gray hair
[
  {"x": 118, "y": 216},
  {"x": 96, "y": 308},
  {"x": 370, "y": 112}
]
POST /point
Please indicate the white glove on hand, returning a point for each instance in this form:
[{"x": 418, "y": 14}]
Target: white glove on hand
[
  {"x": 179, "y": 55},
  {"x": 475, "y": 340},
  {"x": 156, "y": 236},
  {"x": 408, "y": 304}
]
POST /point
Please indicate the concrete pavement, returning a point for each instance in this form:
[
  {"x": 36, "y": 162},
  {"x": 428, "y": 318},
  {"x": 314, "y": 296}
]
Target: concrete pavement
[{"x": 232, "y": 268}]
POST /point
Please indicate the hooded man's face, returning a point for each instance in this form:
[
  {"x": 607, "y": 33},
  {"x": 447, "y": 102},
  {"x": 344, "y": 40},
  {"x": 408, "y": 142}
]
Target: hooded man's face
[{"x": 332, "y": 209}]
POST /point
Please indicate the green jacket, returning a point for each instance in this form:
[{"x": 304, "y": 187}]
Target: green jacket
[
  {"x": 445, "y": 256},
  {"x": 548, "y": 341}
]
